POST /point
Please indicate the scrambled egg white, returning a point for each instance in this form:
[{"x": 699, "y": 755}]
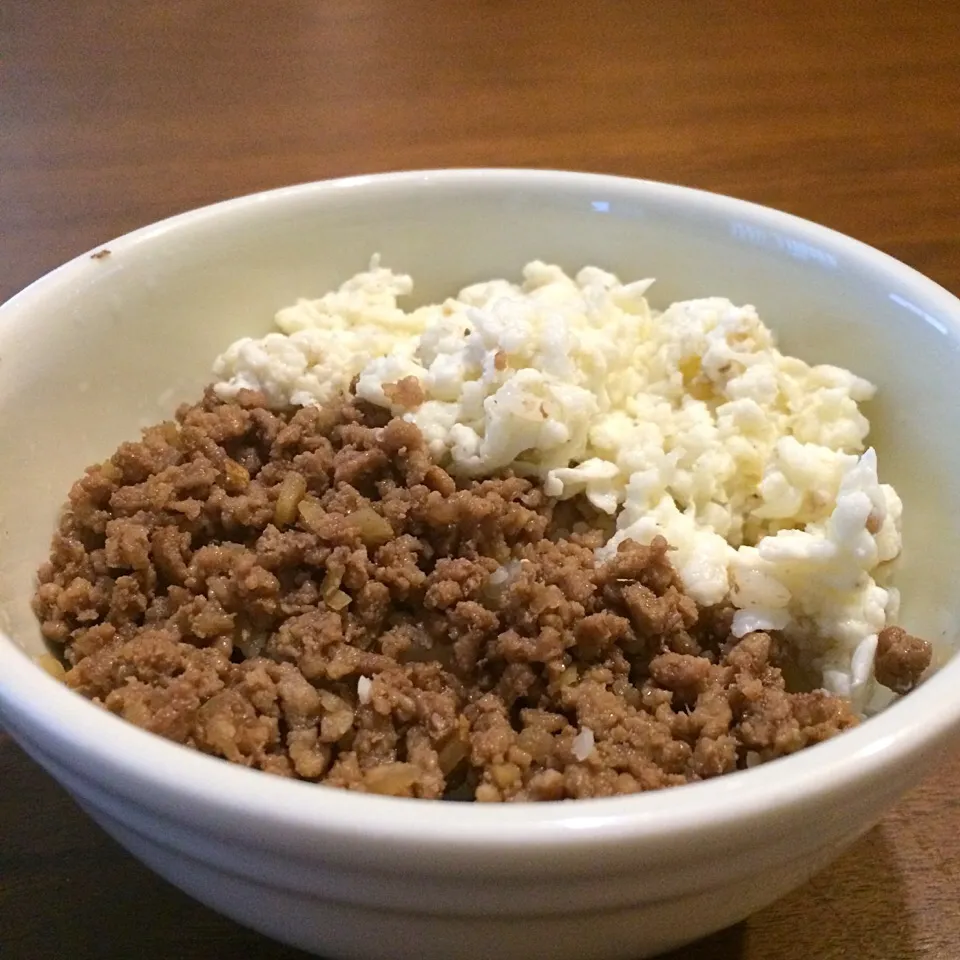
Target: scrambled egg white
[{"x": 688, "y": 423}]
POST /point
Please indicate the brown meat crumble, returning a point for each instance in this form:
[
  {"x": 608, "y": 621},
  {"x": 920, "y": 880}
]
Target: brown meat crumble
[{"x": 307, "y": 592}]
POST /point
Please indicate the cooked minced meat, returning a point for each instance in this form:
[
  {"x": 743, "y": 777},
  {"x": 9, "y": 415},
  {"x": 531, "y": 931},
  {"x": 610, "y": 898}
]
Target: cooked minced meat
[
  {"x": 901, "y": 659},
  {"x": 308, "y": 593}
]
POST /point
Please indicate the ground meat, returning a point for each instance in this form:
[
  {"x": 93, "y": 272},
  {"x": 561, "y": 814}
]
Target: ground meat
[
  {"x": 407, "y": 393},
  {"x": 901, "y": 659},
  {"x": 308, "y": 593}
]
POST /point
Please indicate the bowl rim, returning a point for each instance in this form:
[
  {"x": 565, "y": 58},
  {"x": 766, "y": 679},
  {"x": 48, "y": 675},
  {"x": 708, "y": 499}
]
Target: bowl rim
[{"x": 176, "y": 778}]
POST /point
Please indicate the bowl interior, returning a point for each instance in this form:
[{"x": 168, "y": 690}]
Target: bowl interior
[{"x": 110, "y": 343}]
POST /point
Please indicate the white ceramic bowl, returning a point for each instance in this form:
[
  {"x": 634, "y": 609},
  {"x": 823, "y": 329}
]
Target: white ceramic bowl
[{"x": 106, "y": 344}]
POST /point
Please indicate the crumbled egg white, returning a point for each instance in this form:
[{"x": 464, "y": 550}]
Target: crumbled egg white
[
  {"x": 324, "y": 343},
  {"x": 688, "y": 423},
  {"x": 583, "y": 744}
]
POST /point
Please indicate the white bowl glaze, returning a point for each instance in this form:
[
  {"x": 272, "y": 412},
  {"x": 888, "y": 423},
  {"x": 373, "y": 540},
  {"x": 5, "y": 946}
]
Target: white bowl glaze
[{"x": 106, "y": 344}]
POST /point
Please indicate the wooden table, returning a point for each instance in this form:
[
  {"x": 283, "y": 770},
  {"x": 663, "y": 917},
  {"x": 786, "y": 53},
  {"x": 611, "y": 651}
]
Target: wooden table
[{"x": 115, "y": 114}]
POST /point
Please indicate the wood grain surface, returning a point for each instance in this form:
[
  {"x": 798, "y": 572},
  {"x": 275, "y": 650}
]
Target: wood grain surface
[{"x": 114, "y": 114}]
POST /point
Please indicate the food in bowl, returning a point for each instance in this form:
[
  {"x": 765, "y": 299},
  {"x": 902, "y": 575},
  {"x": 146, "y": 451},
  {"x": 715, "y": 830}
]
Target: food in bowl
[{"x": 537, "y": 541}]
